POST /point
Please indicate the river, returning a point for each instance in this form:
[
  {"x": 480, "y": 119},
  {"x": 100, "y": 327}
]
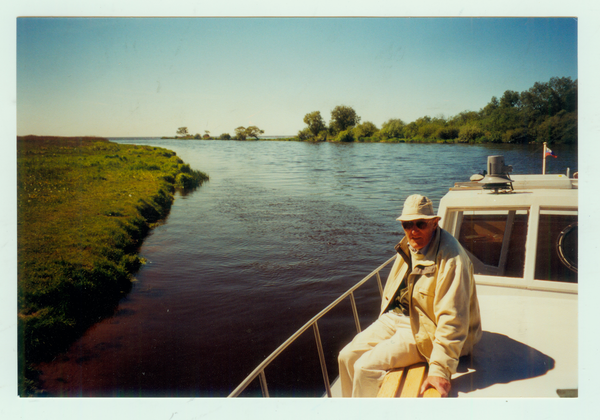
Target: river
[{"x": 279, "y": 231}]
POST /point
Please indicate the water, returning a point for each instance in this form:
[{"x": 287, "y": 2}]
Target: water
[{"x": 279, "y": 231}]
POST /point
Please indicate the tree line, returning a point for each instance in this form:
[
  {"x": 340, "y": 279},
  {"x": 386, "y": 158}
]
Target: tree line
[
  {"x": 545, "y": 112},
  {"x": 241, "y": 133}
]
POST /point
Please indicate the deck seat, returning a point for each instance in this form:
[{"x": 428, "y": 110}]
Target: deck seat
[{"x": 406, "y": 382}]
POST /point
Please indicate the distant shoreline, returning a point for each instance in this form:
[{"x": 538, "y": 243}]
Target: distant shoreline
[{"x": 363, "y": 140}]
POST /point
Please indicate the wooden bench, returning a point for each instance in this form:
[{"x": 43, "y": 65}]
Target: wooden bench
[{"x": 406, "y": 382}]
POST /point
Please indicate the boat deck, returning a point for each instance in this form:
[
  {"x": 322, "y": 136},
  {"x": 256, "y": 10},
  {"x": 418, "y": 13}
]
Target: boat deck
[
  {"x": 518, "y": 355},
  {"x": 528, "y": 349}
]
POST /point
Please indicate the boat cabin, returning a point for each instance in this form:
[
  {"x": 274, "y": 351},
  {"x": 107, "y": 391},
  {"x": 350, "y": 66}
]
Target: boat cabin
[{"x": 522, "y": 240}]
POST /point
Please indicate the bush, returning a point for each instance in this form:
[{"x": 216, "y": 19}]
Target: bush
[
  {"x": 490, "y": 137},
  {"x": 426, "y": 131},
  {"x": 446, "y": 133},
  {"x": 393, "y": 128},
  {"x": 518, "y": 135},
  {"x": 304, "y": 134},
  {"x": 184, "y": 180},
  {"x": 469, "y": 133},
  {"x": 345, "y": 136},
  {"x": 366, "y": 129},
  {"x": 322, "y": 136},
  {"x": 225, "y": 136},
  {"x": 190, "y": 180}
]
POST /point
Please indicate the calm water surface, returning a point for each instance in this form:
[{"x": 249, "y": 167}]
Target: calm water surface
[{"x": 279, "y": 231}]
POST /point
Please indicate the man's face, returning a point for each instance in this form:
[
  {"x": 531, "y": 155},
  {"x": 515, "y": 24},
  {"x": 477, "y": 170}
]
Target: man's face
[{"x": 419, "y": 232}]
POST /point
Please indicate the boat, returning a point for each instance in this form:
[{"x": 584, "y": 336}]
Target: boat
[{"x": 520, "y": 232}]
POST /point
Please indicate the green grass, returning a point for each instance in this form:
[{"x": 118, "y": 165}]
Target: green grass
[{"x": 84, "y": 206}]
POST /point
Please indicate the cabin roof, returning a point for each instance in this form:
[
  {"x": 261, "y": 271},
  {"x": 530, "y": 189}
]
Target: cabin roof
[{"x": 555, "y": 191}]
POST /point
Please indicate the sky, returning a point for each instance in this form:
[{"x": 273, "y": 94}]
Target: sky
[{"x": 116, "y": 77}]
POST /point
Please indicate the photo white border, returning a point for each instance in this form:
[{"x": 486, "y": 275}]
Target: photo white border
[{"x": 12, "y": 407}]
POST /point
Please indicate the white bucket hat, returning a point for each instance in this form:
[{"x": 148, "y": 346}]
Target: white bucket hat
[{"x": 417, "y": 207}]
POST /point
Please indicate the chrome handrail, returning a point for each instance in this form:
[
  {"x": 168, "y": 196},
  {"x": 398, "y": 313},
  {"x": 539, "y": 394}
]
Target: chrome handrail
[{"x": 260, "y": 369}]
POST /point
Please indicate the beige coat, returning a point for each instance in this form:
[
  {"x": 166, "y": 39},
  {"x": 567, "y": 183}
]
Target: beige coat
[{"x": 444, "y": 310}]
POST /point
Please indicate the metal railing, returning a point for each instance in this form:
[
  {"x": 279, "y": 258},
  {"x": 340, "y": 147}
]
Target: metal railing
[{"x": 260, "y": 369}]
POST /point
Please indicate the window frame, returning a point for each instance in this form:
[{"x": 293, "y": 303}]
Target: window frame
[
  {"x": 549, "y": 284},
  {"x": 452, "y": 220}
]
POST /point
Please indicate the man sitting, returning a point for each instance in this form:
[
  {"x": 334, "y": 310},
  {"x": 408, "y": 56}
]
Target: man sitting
[{"x": 429, "y": 311}]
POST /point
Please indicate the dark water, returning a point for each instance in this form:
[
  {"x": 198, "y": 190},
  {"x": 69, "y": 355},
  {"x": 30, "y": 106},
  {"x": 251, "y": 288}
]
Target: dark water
[{"x": 279, "y": 231}]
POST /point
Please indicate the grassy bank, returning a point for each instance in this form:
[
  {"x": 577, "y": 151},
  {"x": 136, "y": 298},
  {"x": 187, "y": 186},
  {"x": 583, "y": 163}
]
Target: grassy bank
[{"x": 84, "y": 206}]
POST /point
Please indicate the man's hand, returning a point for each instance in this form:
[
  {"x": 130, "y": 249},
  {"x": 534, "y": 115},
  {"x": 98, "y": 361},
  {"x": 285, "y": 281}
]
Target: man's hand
[{"x": 437, "y": 382}]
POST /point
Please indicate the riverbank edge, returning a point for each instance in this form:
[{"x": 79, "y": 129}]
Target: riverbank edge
[
  {"x": 361, "y": 140},
  {"x": 91, "y": 291}
]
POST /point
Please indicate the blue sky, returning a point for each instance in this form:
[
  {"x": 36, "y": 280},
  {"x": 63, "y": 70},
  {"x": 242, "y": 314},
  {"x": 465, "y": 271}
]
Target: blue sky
[{"x": 148, "y": 76}]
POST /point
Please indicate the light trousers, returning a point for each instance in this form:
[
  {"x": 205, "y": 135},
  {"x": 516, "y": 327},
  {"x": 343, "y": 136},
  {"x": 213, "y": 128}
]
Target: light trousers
[{"x": 386, "y": 344}]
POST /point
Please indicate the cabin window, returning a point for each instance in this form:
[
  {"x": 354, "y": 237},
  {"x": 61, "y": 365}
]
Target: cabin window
[
  {"x": 494, "y": 240},
  {"x": 556, "y": 256}
]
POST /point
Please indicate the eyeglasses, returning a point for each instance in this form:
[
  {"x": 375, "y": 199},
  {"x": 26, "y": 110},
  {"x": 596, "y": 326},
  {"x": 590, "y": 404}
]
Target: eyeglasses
[{"x": 421, "y": 224}]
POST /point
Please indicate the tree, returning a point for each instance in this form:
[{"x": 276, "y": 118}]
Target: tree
[
  {"x": 315, "y": 122},
  {"x": 254, "y": 131},
  {"x": 545, "y": 100},
  {"x": 342, "y": 118},
  {"x": 560, "y": 128},
  {"x": 509, "y": 99},
  {"x": 545, "y": 112},
  {"x": 304, "y": 134},
  {"x": 469, "y": 133},
  {"x": 464, "y": 118},
  {"x": 491, "y": 107},
  {"x": 366, "y": 129},
  {"x": 240, "y": 133},
  {"x": 567, "y": 92},
  {"x": 392, "y": 129},
  {"x": 410, "y": 130},
  {"x": 225, "y": 136},
  {"x": 424, "y": 127},
  {"x": 182, "y": 131},
  {"x": 503, "y": 119}
]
